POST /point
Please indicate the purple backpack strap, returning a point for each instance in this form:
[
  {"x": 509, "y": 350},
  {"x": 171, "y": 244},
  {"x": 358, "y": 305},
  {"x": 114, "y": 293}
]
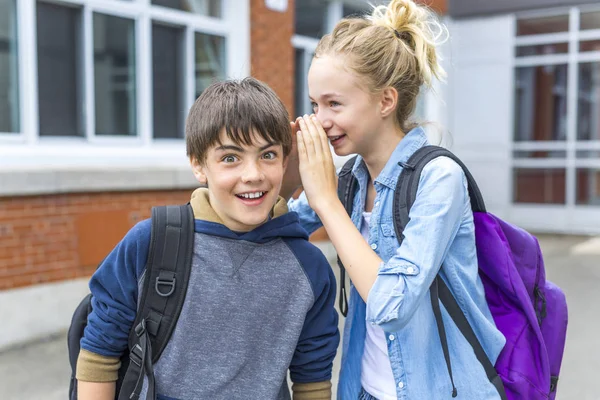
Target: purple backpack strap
[{"x": 404, "y": 197}]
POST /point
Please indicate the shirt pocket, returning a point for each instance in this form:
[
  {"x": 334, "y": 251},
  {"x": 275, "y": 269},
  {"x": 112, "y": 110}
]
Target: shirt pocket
[{"x": 389, "y": 241}]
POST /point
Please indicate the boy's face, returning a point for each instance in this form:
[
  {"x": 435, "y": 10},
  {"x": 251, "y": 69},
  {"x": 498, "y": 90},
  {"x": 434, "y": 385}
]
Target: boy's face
[{"x": 243, "y": 181}]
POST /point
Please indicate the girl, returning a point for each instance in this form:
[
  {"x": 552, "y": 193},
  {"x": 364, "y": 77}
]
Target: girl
[{"x": 363, "y": 83}]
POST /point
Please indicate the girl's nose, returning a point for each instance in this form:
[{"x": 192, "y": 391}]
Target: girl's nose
[{"x": 324, "y": 119}]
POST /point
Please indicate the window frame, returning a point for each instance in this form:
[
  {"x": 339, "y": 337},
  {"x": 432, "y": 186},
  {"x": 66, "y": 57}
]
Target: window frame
[
  {"x": 27, "y": 149},
  {"x": 573, "y": 58}
]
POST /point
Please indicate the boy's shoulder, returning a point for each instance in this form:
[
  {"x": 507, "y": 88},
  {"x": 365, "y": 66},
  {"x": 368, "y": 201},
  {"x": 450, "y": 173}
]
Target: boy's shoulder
[{"x": 314, "y": 263}]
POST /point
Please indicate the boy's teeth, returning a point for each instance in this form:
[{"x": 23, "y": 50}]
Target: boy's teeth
[{"x": 252, "y": 195}]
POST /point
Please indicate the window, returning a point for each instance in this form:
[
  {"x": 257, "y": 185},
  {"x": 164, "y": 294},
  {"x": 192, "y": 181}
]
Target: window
[
  {"x": 541, "y": 103},
  {"x": 210, "y": 60},
  {"x": 167, "y": 81},
  {"x": 556, "y": 151},
  {"x": 114, "y": 75},
  {"x": 60, "y": 91},
  {"x": 311, "y": 18},
  {"x": 9, "y": 76},
  {"x": 211, "y": 8},
  {"x": 588, "y": 109}
]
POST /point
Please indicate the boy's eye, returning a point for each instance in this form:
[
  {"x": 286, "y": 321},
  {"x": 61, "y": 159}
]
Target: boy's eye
[
  {"x": 229, "y": 159},
  {"x": 334, "y": 104},
  {"x": 270, "y": 155},
  {"x": 313, "y": 105}
]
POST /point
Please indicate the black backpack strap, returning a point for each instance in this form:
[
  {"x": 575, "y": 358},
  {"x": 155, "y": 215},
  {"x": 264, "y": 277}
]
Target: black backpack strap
[
  {"x": 404, "y": 197},
  {"x": 163, "y": 293},
  {"x": 346, "y": 189}
]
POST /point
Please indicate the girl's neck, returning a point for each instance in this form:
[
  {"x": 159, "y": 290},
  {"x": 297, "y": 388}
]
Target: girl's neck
[{"x": 378, "y": 155}]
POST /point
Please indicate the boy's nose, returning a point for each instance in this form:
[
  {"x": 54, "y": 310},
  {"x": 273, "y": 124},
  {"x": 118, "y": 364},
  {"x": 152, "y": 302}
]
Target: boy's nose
[{"x": 252, "y": 173}]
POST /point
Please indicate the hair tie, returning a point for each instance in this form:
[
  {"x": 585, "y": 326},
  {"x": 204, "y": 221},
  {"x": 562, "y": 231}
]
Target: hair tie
[{"x": 404, "y": 36}]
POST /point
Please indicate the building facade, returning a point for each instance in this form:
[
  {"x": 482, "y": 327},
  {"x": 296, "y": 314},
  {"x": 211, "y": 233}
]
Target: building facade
[
  {"x": 94, "y": 94},
  {"x": 523, "y": 107}
]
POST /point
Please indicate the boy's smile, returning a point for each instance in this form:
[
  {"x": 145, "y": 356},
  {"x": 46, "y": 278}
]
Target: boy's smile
[{"x": 243, "y": 180}]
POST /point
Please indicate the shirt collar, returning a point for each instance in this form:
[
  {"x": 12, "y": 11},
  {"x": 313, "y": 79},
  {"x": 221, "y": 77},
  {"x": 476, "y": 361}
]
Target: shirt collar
[{"x": 414, "y": 140}]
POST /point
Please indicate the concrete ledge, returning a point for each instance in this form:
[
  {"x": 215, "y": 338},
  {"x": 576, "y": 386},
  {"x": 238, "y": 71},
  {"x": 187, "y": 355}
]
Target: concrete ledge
[
  {"x": 76, "y": 180},
  {"x": 36, "y": 312}
]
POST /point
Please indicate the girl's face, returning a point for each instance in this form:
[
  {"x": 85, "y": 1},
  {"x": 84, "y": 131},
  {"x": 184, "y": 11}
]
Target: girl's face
[{"x": 351, "y": 115}]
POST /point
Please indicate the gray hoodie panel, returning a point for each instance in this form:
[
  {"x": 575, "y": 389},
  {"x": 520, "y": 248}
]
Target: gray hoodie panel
[{"x": 244, "y": 311}]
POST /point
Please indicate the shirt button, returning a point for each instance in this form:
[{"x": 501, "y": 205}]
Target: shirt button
[
  {"x": 410, "y": 270},
  {"x": 374, "y": 246},
  {"x": 392, "y": 337},
  {"x": 377, "y": 204},
  {"x": 401, "y": 385}
]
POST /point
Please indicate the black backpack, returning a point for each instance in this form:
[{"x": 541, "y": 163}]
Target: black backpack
[
  {"x": 404, "y": 196},
  {"x": 161, "y": 300}
]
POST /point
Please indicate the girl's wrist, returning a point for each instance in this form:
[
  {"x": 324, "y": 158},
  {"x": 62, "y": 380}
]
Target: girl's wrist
[{"x": 328, "y": 207}]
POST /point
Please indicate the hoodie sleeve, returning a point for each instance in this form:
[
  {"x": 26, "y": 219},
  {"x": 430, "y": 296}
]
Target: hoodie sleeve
[
  {"x": 317, "y": 346},
  {"x": 114, "y": 288}
]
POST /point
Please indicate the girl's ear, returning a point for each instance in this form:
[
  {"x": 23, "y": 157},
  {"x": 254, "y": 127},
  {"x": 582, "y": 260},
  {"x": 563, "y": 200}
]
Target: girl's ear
[
  {"x": 198, "y": 171},
  {"x": 389, "y": 101}
]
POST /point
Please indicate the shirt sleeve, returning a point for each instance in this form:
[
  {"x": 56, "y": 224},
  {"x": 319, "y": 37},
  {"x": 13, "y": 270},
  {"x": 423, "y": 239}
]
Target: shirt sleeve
[
  {"x": 114, "y": 288},
  {"x": 309, "y": 220},
  {"x": 435, "y": 218}
]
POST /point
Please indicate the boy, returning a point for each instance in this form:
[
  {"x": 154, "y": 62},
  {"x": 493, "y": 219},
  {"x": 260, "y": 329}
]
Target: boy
[{"x": 260, "y": 296}]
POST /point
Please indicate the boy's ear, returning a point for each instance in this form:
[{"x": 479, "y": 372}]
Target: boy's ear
[
  {"x": 389, "y": 101},
  {"x": 286, "y": 160},
  {"x": 198, "y": 171}
]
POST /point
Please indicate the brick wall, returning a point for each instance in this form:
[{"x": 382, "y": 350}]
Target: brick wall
[
  {"x": 272, "y": 55},
  {"x": 57, "y": 237}
]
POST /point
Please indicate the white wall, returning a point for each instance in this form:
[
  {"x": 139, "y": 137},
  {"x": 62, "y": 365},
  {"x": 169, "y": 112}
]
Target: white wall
[
  {"x": 38, "y": 311},
  {"x": 478, "y": 96}
]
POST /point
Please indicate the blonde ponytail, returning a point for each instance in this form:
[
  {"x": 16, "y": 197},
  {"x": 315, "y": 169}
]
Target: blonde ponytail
[{"x": 395, "y": 47}]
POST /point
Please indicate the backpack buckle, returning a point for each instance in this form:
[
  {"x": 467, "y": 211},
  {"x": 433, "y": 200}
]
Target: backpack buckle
[
  {"x": 167, "y": 280},
  {"x": 135, "y": 355}
]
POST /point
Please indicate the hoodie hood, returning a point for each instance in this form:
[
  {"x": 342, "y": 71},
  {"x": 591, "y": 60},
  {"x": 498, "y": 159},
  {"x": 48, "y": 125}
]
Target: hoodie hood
[{"x": 280, "y": 224}]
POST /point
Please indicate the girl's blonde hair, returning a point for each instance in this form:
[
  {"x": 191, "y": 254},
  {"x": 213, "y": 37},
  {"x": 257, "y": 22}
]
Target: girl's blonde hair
[{"x": 395, "y": 47}]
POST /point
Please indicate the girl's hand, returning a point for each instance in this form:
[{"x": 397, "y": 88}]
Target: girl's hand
[
  {"x": 316, "y": 164},
  {"x": 291, "y": 177}
]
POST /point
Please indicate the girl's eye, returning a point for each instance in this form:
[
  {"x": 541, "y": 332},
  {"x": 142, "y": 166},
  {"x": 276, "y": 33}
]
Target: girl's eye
[
  {"x": 313, "y": 105},
  {"x": 229, "y": 159},
  {"x": 334, "y": 104},
  {"x": 270, "y": 155}
]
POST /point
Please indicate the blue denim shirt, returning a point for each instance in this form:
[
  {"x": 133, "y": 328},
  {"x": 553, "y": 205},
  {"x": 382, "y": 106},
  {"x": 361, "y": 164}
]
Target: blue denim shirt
[{"x": 440, "y": 233}]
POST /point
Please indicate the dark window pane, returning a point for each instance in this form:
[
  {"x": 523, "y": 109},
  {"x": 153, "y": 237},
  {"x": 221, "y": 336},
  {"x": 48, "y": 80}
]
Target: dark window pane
[
  {"x": 210, "y": 60},
  {"x": 539, "y": 154},
  {"x": 539, "y": 50},
  {"x": 588, "y": 154},
  {"x": 167, "y": 81},
  {"x": 590, "y": 20},
  {"x": 300, "y": 90},
  {"x": 60, "y": 88},
  {"x": 588, "y": 110},
  {"x": 351, "y": 11},
  {"x": 211, "y": 8},
  {"x": 542, "y": 186},
  {"x": 543, "y": 25},
  {"x": 589, "y": 45},
  {"x": 311, "y": 17},
  {"x": 541, "y": 103},
  {"x": 9, "y": 76},
  {"x": 588, "y": 186},
  {"x": 114, "y": 75}
]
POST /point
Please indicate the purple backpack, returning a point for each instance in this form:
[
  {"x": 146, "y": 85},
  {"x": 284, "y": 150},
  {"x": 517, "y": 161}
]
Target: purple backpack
[{"x": 530, "y": 311}]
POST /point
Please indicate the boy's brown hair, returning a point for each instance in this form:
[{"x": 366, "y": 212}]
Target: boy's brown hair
[{"x": 241, "y": 107}]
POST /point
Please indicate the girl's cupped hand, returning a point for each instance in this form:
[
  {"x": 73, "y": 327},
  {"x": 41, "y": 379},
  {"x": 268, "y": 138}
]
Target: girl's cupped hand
[{"x": 317, "y": 170}]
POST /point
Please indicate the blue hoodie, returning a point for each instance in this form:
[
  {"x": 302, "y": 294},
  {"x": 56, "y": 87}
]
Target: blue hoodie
[{"x": 258, "y": 303}]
